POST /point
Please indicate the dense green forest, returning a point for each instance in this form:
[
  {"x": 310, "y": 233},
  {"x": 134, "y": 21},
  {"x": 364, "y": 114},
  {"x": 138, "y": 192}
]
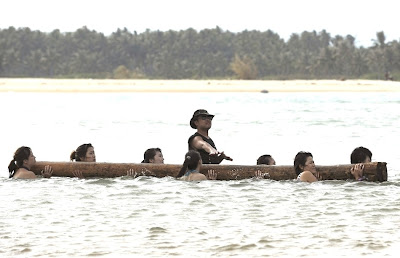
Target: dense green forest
[{"x": 190, "y": 54}]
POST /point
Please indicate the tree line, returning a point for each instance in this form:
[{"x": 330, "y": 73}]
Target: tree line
[{"x": 190, "y": 54}]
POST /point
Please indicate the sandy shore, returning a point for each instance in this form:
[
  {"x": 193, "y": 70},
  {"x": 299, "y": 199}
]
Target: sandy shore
[{"x": 89, "y": 85}]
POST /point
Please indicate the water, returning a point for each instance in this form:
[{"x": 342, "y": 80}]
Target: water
[{"x": 164, "y": 217}]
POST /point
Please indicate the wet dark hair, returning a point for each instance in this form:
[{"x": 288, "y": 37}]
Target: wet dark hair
[
  {"x": 20, "y": 155},
  {"x": 264, "y": 159},
  {"x": 192, "y": 159},
  {"x": 80, "y": 153},
  {"x": 300, "y": 159},
  {"x": 359, "y": 155},
  {"x": 150, "y": 154}
]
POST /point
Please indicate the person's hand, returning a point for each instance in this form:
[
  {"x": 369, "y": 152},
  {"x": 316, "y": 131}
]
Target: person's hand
[
  {"x": 131, "y": 172},
  {"x": 213, "y": 152},
  {"x": 222, "y": 155},
  {"x": 47, "y": 172},
  {"x": 318, "y": 176},
  {"x": 78, "y": 174},
  {"x": 212, "y": 175},
  {"x": 258, "y": 174},
  {"x": 357, "y": 171}
]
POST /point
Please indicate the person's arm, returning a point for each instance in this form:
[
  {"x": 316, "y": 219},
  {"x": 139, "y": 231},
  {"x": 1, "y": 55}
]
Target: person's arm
[{"x": 200, "y": 144}]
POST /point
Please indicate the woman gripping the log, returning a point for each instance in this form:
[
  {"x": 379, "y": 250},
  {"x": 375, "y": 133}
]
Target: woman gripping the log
[
  {"x": 20, "y": 166},
  {"x": 152, "y": 155},
  {"x": 190, "y": 170},
  {"x": 304, "y": 167},
  {"x": 84, "y": 153}
]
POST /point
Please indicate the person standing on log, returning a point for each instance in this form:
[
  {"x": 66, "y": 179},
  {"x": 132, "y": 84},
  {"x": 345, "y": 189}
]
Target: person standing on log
[
  {"x": 359, "y": 156},
  {"x": 84, "y": 153},
  {"x": 201, "y": 142},
  {"x": 20, "y": 166},
  {"x": 305, "y": 167},
  {"x": 190, "y": 170}
]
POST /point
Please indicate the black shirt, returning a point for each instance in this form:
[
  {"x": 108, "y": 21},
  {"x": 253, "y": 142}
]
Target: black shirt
[{"x": 206, "y": 158}]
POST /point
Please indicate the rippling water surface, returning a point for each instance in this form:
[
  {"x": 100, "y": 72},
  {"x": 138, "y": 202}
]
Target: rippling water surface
[{"x": 164, "y": 217}]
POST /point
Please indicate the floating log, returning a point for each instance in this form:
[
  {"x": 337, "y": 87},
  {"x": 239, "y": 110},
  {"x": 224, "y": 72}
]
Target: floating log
[{"x": 374, "y": 171}]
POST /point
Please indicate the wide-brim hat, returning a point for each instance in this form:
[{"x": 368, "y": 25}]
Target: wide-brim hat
[{"x": 197, "y": 113}]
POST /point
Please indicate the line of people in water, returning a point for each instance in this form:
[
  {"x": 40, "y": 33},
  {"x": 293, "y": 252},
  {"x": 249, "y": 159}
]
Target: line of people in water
[{"x": 202, "y": 150}]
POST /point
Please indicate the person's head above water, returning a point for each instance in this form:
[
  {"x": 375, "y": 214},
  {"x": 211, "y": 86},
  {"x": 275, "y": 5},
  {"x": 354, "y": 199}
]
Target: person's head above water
[
  {"x": 84, "y": 153},
  {"x": 192, "y": 161},
  {"x": 360, "y": 155},
  {"x": 200, "y": 115},
  {"x": 23, "y": 157},
  {"x": 266, "y": 160},
  {"x": 153, "y": 155},
  {"x": 304, "y": 162}
]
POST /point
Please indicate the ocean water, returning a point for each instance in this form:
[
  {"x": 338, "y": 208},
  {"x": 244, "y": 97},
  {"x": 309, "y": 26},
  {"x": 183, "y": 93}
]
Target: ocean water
[{"x": 164, "y": 217}]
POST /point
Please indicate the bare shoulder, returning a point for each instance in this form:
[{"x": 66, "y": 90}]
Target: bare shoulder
[
  {"x": 25, "y": 174},
  {"x": 183, "y": 178},
  {"x": 307, "y": 176},
  {"x": 197, "y": 138},
  {"x": 197, "y": 177},
  {"x": 197, "y": 142}
]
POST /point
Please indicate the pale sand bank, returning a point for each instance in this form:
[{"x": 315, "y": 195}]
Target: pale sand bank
[{"x": 89, "y": 85}]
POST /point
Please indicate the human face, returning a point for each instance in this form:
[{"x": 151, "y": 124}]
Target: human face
[
  {"x": 204, "y": 121},
  {"x": 309, "y": 165},
  {"x": 158, "y": 158},
  {"x": 30, "y": 161},
  {"x": 367, "y": 160},
  {"x": 205, "y": 117},
  {"x": 90, "y": 155}
]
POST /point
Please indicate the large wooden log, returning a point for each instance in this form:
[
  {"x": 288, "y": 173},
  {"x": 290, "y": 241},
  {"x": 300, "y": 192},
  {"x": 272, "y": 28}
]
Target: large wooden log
[{"x": 374, "y": 171}]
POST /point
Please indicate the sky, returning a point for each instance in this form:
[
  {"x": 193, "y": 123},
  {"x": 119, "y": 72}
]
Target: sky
[{"x": 361, "y": 19}]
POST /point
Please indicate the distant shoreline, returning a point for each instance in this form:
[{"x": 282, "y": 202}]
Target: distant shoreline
[{"x": 108, "y": 85}]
